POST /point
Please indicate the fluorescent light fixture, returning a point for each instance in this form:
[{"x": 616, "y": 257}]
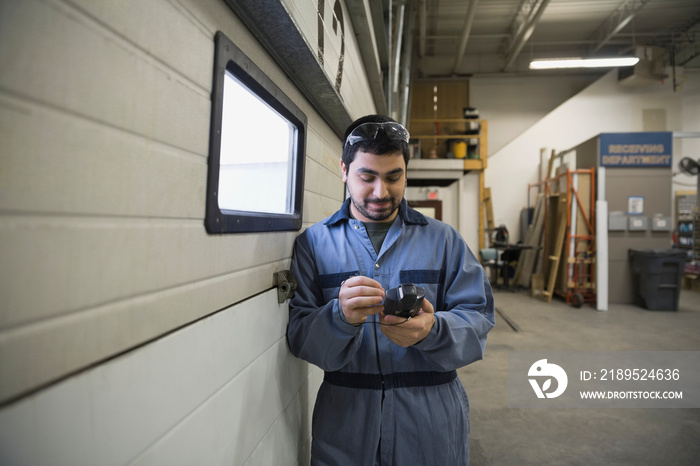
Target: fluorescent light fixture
[{"x": 583, "y": 63}]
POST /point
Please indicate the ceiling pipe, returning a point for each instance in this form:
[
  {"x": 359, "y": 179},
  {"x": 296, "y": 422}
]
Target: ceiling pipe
[
  {"x": 389, "y": 27},
  {"x": 422, "y": 27},
  {"x": 525, "y": 33},
  {"x": 407, "y": 56},
  {"x": 398, "y": 35},
  {"x": 465, "y": 35}
]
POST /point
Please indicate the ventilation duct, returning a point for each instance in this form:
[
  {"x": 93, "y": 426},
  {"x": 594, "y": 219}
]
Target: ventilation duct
[{"x": 650, "y": 69}]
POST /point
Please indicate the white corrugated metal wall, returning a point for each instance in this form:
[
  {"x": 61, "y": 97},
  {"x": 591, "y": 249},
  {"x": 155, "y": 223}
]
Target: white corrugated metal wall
[{"x": 128, "y": 335}]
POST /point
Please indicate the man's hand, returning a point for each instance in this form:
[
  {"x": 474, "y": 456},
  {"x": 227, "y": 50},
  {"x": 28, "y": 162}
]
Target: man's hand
[
  {"x": 412, "y": 331},
  {"x": 360, "y": 297}
]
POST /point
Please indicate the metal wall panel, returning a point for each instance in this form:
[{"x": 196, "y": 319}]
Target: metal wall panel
[{"x": 112, "y": 291}]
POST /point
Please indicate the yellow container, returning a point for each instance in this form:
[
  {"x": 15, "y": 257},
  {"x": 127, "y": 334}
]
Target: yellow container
[{"x": 459, "y": 149}]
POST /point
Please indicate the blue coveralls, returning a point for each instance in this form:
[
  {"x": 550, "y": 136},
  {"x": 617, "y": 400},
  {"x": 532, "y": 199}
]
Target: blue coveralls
[{"x": 381, "y": 403}]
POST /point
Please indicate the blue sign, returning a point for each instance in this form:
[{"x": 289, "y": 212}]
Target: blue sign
[{"x": 653, "y": 149}]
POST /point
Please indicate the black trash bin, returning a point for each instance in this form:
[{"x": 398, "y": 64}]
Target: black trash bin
[{"x": 657, "y": 275}]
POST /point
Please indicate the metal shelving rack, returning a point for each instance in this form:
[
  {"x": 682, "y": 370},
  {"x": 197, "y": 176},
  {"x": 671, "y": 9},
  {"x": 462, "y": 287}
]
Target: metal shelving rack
[{"x": 466, "y": 164}]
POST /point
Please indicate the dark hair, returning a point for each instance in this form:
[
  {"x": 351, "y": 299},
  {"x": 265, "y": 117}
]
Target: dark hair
[{"x": 380, "y": 145}]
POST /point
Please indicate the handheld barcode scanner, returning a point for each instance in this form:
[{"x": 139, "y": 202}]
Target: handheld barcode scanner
[{"x": 404, "y": 300}]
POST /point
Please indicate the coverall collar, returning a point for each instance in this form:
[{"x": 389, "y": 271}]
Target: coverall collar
[{"x": 408, "y": 215}]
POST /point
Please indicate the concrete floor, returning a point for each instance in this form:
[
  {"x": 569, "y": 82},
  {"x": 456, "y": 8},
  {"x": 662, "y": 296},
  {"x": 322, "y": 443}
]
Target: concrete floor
[{"x": 502, "y": 436}]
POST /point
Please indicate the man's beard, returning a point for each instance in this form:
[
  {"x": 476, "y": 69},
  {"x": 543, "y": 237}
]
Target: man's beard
[{"x": 377, "y": 215}]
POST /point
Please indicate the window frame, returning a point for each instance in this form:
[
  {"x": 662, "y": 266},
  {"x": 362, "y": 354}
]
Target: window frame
[{"x": 228, "y": 57}]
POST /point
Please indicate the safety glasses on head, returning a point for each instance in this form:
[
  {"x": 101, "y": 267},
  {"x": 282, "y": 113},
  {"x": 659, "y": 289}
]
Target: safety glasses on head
[{"x": 369, "y": 131}]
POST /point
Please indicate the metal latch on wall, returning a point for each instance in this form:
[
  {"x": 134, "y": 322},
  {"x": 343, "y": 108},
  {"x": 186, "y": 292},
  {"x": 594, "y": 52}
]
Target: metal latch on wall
[{"x": 286, "y": 284}]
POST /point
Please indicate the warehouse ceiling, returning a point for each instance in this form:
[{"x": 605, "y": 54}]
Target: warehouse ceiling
[{"x": 453, "y": 38}]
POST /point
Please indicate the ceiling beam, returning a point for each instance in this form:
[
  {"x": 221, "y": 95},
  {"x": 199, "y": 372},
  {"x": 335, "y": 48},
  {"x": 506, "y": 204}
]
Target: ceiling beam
[
  {"x": 526, "y": 19},
  {"x": 616, "y": 22},
  {"x": 379, "y": 26},
  {"x": 689, "y": 48},
  {"x": 363, "y": 26},
  {"x": 423, "y": 27},
  {"x": 522, "y": 17},
  {"x": 466, "y": 31}
]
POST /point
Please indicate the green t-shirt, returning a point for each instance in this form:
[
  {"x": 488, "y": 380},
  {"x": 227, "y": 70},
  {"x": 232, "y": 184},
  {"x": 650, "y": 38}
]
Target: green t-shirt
[{"x": 377, "y": 232}]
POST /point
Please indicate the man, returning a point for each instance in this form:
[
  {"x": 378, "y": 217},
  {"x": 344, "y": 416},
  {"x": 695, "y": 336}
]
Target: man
[{"x": 390, "y": 394}]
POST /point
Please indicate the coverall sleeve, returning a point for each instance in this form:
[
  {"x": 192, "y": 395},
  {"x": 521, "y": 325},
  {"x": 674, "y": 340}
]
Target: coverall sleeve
[
  {"x": 458, "y": 337},
  {"x": 316, "y": 332}
]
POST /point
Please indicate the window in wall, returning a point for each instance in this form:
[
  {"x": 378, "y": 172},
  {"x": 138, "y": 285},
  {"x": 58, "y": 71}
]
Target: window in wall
[{"x": 256, "y": 159}]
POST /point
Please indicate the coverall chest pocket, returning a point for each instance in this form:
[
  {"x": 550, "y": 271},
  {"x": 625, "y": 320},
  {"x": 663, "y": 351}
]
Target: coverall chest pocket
[
  {"x": 431, "y": 280},
  {"x": 330, "y": 283}
]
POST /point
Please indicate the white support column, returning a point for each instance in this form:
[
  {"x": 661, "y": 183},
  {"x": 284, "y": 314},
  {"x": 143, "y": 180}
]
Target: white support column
[{"x": 601, "y": 225}]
